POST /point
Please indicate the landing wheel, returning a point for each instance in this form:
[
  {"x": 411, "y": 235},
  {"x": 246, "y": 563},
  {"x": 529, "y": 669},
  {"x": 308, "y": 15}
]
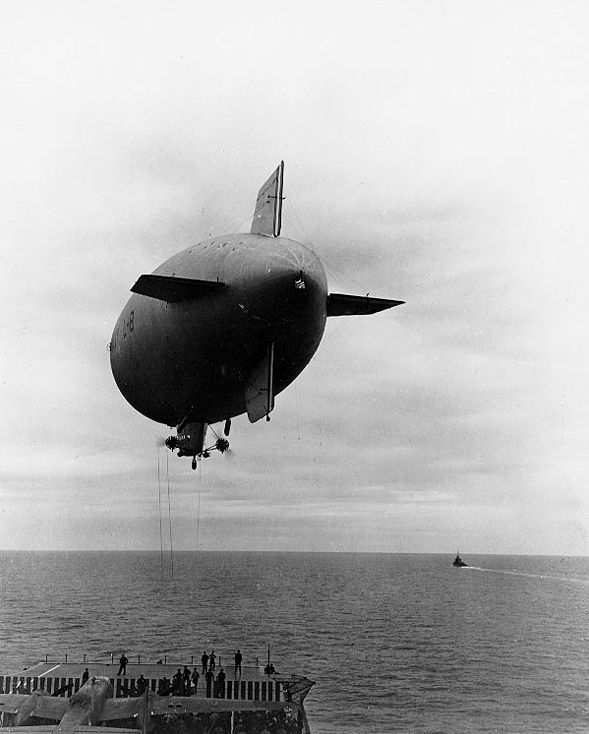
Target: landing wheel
[{"x": 193, "y": 464}]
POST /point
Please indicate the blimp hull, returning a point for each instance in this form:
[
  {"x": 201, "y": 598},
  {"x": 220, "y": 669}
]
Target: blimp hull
[{"x": 231, "y": 299}]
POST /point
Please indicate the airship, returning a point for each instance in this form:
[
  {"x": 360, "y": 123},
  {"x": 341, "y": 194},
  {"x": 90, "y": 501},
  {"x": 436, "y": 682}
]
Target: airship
[{"x": 223, "y": 327}]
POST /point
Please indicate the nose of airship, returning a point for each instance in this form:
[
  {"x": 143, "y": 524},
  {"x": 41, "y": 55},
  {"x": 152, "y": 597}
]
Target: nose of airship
[{"x": 293, "y": 288}]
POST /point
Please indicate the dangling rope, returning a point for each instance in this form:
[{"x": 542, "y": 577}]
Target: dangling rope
[
  {"x": 170, "y": 518},
  {"x": 159, "y": 502},
  {"x": 198, "y": 505},
  {"x": 296, "y": 393}
]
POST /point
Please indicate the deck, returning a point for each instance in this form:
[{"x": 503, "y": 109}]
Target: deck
[{"x": 65, "y": 678}]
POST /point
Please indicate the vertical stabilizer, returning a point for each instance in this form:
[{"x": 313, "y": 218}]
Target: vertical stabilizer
[
  {"x": 259, "y": 388},
  {"x": 268, "y": 212}
]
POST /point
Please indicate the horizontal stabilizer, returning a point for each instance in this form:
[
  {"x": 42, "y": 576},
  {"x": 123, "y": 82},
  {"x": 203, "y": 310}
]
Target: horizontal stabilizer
[
  {"x": 121, "y": 708},
  {"x": 44, "y": 729},
  {"x": 38, "y": 704},
  {"x": 171, "y": 289},
  {"x": 340, "y": 304}
]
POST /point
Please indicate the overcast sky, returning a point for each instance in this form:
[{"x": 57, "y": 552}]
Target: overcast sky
[{"x": 435, "y": 152}]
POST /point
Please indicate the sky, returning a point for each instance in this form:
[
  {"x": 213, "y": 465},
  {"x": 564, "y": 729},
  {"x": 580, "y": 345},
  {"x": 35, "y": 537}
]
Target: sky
[{"x": 435, "y": 152}]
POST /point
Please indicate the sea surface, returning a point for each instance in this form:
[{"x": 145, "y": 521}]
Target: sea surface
[{"x": 395, "y": 642}]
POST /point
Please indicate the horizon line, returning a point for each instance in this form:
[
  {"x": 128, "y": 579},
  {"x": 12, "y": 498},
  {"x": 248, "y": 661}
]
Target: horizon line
[{"x": 286, "y": 552}]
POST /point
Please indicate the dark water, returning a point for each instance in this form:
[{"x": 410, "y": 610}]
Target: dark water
[{"x": 395, "y": 642}]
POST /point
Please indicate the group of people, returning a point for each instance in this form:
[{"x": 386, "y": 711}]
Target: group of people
[
  {"x": 239, "y": 722},
  {"x": 262, "y": 722},
  {"x": 209, "y": 662},
  {"x": 185, "y": 681}
]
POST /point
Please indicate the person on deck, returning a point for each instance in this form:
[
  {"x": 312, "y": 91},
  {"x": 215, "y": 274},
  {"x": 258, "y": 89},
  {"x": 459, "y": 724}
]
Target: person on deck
[
  {"x": 212, "y": 659},
  {"x": 177, "y": 682},
  {"x": 209, "y": 676},
  {"x": 195, "y": 676},
  {"x": 221, "y": 684},
  {"x": 164, "y": 687},
  {"x": 186, "y": 677},
  {"x": 123, "y": 665},
  {"x": 238, "y": 659},
  {"x": 205, "y": 661}
]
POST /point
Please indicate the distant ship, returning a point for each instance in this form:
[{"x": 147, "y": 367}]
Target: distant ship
[
  {"x": 55, "y": 697},
  {"x": 459, "y": 562}
]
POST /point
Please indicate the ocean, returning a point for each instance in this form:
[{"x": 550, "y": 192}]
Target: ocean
[{"x": 395, "y": 642}]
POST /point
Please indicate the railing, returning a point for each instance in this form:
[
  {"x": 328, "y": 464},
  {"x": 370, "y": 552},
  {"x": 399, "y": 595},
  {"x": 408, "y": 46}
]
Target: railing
[
  {"x": 64, "y": 687},
  {"x": 136, "y": 660}
]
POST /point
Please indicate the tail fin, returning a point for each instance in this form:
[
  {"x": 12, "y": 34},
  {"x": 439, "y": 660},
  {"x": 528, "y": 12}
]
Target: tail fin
[{"x": 268, "y": 212}]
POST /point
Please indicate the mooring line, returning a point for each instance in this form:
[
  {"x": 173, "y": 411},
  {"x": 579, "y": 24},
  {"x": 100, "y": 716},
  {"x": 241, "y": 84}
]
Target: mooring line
[
  {"x": 170, "y": 518},
  {"x": 159, "y": 503},
  {"x": 198, "y": 506}
]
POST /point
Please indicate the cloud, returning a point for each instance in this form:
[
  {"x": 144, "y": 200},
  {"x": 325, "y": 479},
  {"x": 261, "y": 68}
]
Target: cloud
[{"x": 458, "y": 187}]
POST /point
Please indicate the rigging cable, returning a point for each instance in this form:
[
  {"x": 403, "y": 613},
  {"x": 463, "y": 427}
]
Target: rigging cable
[
  {"x": 170, "y": 518},
  {"x": 159, "y": 502},
  {"x": 198, "y": 506}
]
